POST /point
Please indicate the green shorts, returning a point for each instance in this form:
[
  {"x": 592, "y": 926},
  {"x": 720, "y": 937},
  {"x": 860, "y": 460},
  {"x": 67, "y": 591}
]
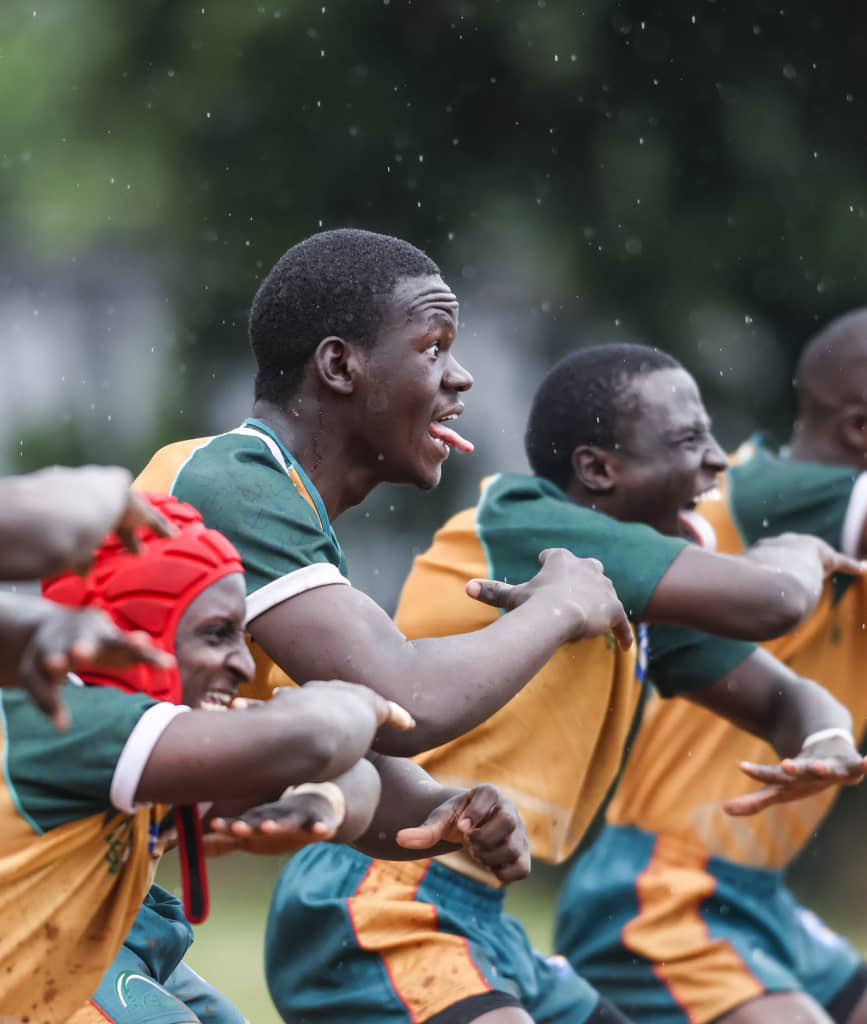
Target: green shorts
[
  {"x": 380, "y": 942},
  {"x": 148, "y": 983},
  {"x": 674, "y": 937}
]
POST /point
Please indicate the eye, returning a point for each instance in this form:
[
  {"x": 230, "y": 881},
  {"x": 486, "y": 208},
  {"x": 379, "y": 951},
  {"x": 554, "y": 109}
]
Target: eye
[{"x": 434, "y": 350}]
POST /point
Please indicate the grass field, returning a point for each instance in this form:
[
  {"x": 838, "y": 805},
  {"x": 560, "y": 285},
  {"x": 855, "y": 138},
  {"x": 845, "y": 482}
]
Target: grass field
[{"x": 228, "y": 949}]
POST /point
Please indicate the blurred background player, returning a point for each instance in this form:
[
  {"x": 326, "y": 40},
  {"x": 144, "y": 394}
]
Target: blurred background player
[
  {"x": 616, "y": 433},
  {"x": 53, "y": 520},
  {"x": 702, "y": 926}
]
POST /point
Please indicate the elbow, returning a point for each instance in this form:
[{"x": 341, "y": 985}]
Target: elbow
[{"x": 787, "y": 610}]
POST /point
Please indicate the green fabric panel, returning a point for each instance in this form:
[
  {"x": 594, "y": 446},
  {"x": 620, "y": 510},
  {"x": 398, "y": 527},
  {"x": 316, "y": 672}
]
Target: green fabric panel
[
  {"x": 521, "y": 515},
  {"x": 769, "y": 495},
  {"x": 240, "y": 490},
  {"x": 59, "y": 777},
  {"x": 683, "y": 659}
]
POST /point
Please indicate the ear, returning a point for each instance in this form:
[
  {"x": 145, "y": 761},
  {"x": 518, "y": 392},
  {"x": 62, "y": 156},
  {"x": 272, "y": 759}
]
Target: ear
[
  {"x": 338, "y": 364},
  {"x": 852, "y": 427},
  {"x": 595, "y": 468}
]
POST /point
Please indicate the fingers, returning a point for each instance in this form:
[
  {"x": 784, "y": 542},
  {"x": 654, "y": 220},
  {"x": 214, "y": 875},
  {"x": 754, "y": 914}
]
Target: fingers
[
  {"x": 841, "y": 563},
  {"x": 492, "y": 592},
  {"x": 622, "y": 630},
  {"x": 45, "y": 696},
  {"x": 399, "y": 717},
  {"x": 752, "y": 803},
  {"x": 426, "y": 835}
]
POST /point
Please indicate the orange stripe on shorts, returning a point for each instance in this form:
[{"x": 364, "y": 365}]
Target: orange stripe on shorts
[
  {"x": 429, "y": 970},
  {"x": 705, "y": 976}
]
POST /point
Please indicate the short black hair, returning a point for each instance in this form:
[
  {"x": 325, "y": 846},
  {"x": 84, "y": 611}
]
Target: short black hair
[
  {"x": 333, "y": 283},
  {"x": 579, "y": 400}
]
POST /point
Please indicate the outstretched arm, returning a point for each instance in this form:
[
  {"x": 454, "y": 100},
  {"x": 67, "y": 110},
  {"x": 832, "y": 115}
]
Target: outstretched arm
[
  {"x": 755, "y": 596},
  {"x": 53, "y": 519},
  {"x": 766, "y": 699},
  {"x": 449, "y": 684},
  {"x": 251, "y": 756}
]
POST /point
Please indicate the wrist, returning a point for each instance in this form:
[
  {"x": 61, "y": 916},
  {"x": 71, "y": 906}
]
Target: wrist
[
  {"x": 822, "y": 735},
  {"x": 330, "y": 792}
]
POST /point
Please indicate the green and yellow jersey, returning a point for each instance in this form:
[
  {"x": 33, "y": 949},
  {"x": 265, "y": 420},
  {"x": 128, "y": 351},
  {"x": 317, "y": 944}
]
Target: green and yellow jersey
[
  {"x": 247, "y": 484},
  {"x": 684, "y": 763},
  {"x": 77, "y": 854},
  {"x": 556, "y": 747}
]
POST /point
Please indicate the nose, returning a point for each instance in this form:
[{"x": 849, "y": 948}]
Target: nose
[
  {"x": 240, "y": 663},
  {"x": 456, "y": 377},
  {"x": 715, "y": 458}
]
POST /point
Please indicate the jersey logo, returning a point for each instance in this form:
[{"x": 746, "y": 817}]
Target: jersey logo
[
  {"x": 144, "y": 994},
  {"x": 119, "y": 842},
  {"x": 643, "y": 651}
]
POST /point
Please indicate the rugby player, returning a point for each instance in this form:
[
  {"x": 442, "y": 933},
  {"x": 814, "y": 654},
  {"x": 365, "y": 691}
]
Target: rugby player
[
  {"x": 84, "y": 811},
  {"x": 52, "y": 520},
  {"x": 680, "y": 913},
  {"x": 616, "y": 433},
  {"x": 357, "y": 385}
]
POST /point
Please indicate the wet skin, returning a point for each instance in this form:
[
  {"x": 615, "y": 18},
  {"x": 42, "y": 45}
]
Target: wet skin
[
  {"x": 210, "y": 645},
  {"x": 411, "y": 378},
  {"x": 667, "y": 453}
]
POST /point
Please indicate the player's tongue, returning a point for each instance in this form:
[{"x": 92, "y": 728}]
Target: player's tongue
[{"x": 440, "y": 432}]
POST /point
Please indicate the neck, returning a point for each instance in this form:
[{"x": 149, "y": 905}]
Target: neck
[
  {"x": 321, "y": 442},
  {"x": 808, "y": 445},
  {"x": 595, "y": 500}
]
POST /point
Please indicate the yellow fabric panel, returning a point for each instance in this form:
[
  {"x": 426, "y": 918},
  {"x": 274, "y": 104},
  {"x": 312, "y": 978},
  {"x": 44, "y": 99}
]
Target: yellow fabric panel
[
  {"x": 684, "y": 762},
  {"x": 90, "y": 1013},
  {"x": 159, "y": 474},
  {"x": 557, "y": 746},
  {"x": 67, "y": 901},
  {"x": 428, "y": 969},
  {"x": 705, "y": 976}
]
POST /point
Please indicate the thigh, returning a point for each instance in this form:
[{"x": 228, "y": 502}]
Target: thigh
[
  {"x": 129, "y": 994},
  {"x": 203, "y": 999},
  {"x": 791, "y": 1007}
]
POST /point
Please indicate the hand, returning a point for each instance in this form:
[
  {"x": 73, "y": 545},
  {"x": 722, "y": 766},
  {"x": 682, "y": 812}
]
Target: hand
[
  {"x": 485, "y": 823},
  {"x": 388, "y": 712},
  {"x": 578, "y": 585},
  {"x": 66, "y": 640},
  {"x": 282, "y": 826},
  {"x": 775, "y": 551},
  {"x": 140, "y": 513},
  {"x": 833, "y": 762}
]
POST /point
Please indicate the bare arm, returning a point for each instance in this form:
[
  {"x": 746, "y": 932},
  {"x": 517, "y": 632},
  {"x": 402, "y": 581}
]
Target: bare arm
[
  {"x": 755, "y": 596},
  {"x": 53, "y": 519},
  {"x": 299, "y": 736},
  {"x": 765, "y": 698},
  {"x": 448, "y": 684}
]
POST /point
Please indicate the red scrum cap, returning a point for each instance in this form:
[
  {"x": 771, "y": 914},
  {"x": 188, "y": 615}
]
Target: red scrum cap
[{"x": 150, "y": 591}]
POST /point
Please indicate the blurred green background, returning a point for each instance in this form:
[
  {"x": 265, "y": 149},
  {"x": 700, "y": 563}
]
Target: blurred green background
[{"x": 691, "y": 176}]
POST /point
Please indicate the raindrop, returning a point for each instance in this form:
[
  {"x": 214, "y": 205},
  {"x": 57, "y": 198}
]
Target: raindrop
[{"x": 748, "y": 319}]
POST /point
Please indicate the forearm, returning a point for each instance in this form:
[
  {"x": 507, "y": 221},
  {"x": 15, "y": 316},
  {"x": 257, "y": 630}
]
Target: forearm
[
  {"x": 458, "y": 682},
  {"x": 803, "y": 709},
  {"x": 362, "y": 788},
  {"x": 409, "y": 795},
  {"x": 763, "y": 697},
  {"x": 254, "y": 755},
  {"x": 797, "y": 573}
]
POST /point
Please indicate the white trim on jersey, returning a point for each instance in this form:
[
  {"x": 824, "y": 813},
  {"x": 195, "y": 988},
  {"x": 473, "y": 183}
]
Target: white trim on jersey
[
  {"x": 137, "y": 750},
  {"x": 856, "y": 513},
  {"x": 308, "y": 577}
]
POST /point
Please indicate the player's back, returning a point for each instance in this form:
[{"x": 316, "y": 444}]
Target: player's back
[{"x": 684, "y": 762}]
